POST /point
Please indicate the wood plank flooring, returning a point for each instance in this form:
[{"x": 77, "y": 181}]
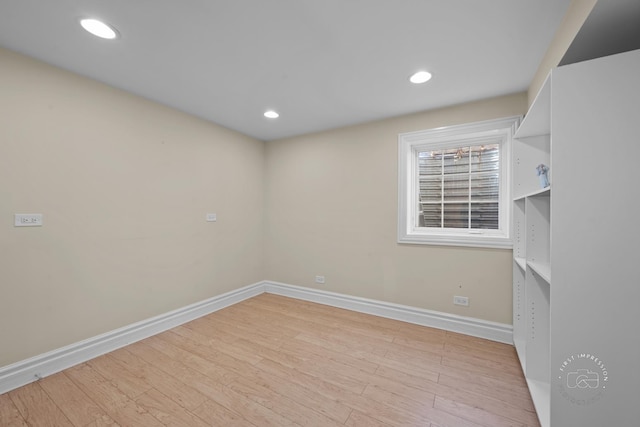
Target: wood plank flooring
[{"x": 276, "y": 361}]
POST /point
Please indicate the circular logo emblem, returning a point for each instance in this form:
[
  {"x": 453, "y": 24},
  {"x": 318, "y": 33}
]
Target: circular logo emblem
[{"x": 583, "y": 379}]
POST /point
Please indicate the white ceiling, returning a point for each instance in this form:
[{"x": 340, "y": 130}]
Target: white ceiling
[
  {"x": 613, "y": 26},
  {"x": 321, "y": 64}
]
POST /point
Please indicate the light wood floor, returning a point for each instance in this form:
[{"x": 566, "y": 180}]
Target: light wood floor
[{"x": 275, "y": 361}]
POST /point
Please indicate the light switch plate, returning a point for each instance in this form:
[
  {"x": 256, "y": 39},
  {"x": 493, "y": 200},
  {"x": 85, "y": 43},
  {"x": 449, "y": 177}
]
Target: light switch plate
[
  {"x": 28, "y": 220},
  {"x": 211, "y": 217}
]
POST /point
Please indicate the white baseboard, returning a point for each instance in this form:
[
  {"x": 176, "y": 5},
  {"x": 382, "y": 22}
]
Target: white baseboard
[
  {"x": 465, "y": 325},
  {"x": 29, "y": 370}
]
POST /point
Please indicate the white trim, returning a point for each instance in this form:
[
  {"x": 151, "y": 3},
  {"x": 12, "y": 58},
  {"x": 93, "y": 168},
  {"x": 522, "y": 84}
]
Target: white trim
[
  {"x": 29, "y": 370},
  {"x": 494, "y": 331}
]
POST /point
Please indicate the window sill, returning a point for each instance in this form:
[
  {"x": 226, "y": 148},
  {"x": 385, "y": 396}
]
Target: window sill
[{"x": 493, "y": 242}]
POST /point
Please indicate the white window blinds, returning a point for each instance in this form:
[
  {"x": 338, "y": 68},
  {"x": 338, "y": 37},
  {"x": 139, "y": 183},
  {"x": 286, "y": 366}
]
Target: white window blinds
[{"x": 459, "y": 187}]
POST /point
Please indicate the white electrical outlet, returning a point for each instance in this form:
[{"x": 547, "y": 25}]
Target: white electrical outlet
[
  {"x": 320, "y": 279},
  {"x": 211, "y": 217},
  {"x": 28, "y": 220},
  {"x": 457, "y": 300}
]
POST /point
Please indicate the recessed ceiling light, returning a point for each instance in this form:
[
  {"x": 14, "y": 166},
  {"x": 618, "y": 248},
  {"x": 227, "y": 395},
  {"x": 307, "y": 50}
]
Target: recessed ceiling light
[
  {"x": 420, "y": 77},
  {"x": 99, "y": 28},
  {"x": 270, "y": 114}
]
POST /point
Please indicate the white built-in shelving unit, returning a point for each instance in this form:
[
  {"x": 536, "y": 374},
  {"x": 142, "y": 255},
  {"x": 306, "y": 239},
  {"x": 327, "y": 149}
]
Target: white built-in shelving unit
[
  {"x": 575, "y": 275},
  {"x": 532, "y": 250}
]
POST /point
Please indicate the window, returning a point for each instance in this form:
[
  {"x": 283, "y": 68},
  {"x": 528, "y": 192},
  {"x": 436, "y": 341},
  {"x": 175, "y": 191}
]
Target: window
[{"x": 454, "y": 185}]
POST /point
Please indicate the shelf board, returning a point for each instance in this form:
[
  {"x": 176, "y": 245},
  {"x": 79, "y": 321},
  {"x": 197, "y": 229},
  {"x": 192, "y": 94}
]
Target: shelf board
[
  {"x": 541, "y": 396},
  {"x": 539, "y": 192},
  {"x": 538, "y": 119},
  {"x": 542, "y": 268},
  {"x": 522, "y": 263}
]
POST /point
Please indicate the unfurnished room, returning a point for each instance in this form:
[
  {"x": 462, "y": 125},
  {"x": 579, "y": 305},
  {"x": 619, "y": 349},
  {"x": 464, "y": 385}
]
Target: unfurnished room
[{"x": 319, "y": 213}]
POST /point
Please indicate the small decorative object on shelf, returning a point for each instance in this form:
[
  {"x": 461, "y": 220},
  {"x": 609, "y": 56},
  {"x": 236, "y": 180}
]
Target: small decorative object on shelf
[{"x": 542, "y": 174}]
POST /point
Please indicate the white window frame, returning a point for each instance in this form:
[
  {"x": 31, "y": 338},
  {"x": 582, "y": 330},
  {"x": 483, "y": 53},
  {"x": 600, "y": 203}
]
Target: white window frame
[{"x": 409, "y": 144}]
